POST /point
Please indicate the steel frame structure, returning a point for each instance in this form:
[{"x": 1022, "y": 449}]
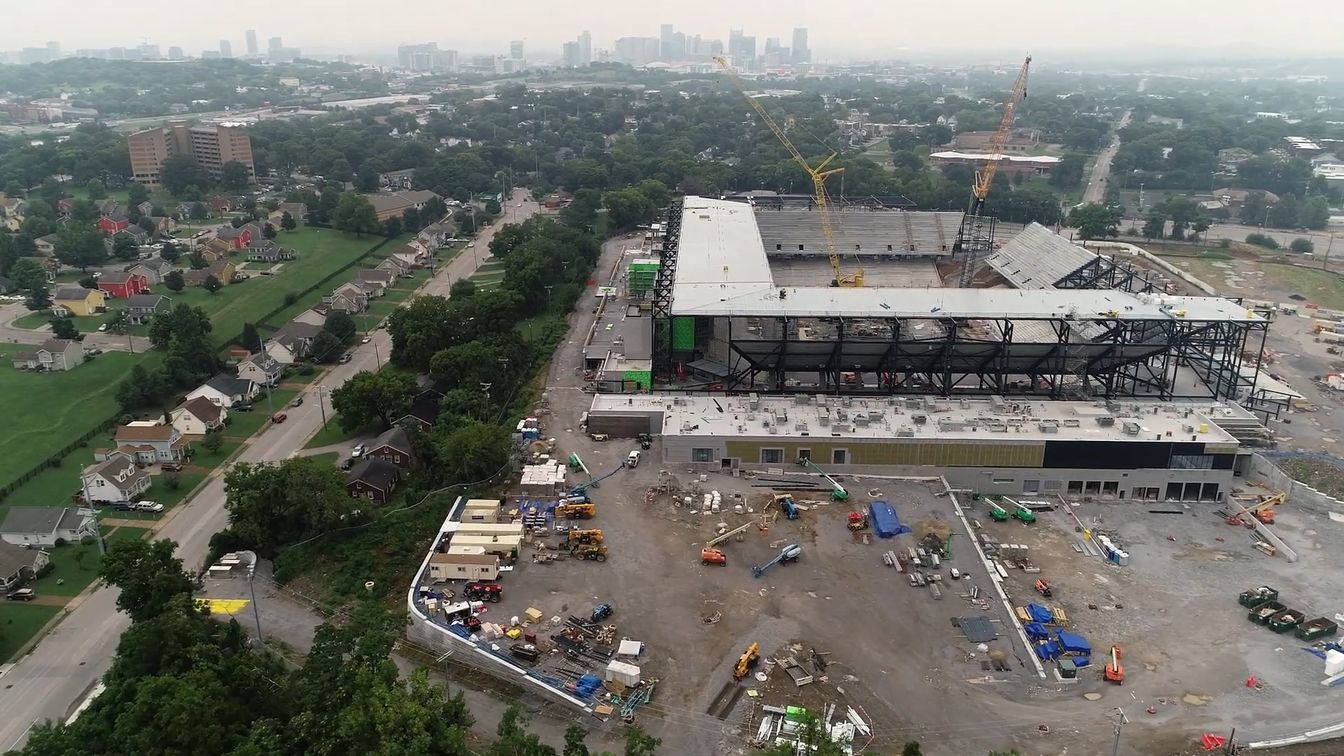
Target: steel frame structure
[
  {"x": 1108, "y": 273},
  {"x": 662, "y": 292}
]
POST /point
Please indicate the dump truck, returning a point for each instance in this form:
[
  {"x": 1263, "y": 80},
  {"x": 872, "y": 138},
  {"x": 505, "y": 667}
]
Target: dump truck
[
  {"x": 1257, "y": 596},
  {"x": 1262, "y": 614},
  {"x": 1286, "y": 620},
  {"x": 1316, "y": 629},
  {"x": 575, "y": 511}
]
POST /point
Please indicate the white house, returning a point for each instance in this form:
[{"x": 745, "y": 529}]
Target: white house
[
  {"x": 114, "y": 479},
  {"x": 196, "y": 417},
  {"x": 44, "y": 526},
  {"x": 261, "y": 368},
  {"x": 226, "y": 391}
]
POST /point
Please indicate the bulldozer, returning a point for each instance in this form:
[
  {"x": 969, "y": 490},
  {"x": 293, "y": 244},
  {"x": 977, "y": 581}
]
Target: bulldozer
[
  {"x": 585, "y": 536},
  {"x": 713, "y": 556},
  {"x": 1113, "y": 672},
  {"x": 595, "y": 552},
  {"x": 575, "y": 511},
  {"x": 746, "y": 661}
]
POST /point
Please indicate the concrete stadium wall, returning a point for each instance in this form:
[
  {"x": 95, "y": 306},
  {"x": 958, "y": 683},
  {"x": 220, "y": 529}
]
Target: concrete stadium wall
[{"x": 1300, "y": 494}]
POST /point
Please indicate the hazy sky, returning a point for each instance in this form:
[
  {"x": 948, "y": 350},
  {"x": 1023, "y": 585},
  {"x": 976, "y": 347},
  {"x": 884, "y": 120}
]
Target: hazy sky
[{"x": 852, "y": 28}]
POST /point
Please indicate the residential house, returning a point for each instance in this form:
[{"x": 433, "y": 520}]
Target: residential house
[
  {"x": 261, "y": 368},
  {"x": 291, "y": 342},
  {"x": 115, "y": 478},
  {"x": 436, "y": 235},
  {"x": 45, "y": 526},
  {"x": 315, "y": 315},
  {"x": 373, "y": 479},
  {"x": 219, "y": 204},
  {"x": 236, "y": 237},
  {"x": 392, "y": 446},
  {"x": 164, "y": 224},
  {"x": 424, "y": 410},
  {"x": 78, "y": 301},
  {"x": 145, "y": 208},
  {"x": 297, "y": 210},
  {"x": 110, "y": 226},
  {"x": 403, "y": 179},
  {"x": 196, "y": 417},
  {"x": 150, "y": 442},
  {"x": 394, "y": 204},
  {"x": 184, "y": 209},
  {"x": 348, "y": 298},
  {"x": 217, "y": 249},
  {"x": 52, "y": 354},
  {"x": 226, "y": 390},
  {"x": 154, "y": 269},
  {"x": 46, "y": 245},
  {"x": 1230, "y": 158},
  {"x": 141, "y": 308},
  {"x": 397, "y": 266},
  {"x": 140, "y": 235},
  {"x": 123, "y": 285},
  {"x": 375, "y": 282},
  {"x": 19, "y": 566},
  {"x": 267, "y": 251},
  {"x": 1235, "y": 198},
  {"x": 13, "y": 212},
  {"x": 65, "y": 206},
  {"x": 222, "y": 270}
]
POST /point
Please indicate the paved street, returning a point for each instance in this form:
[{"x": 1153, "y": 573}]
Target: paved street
[
  {"x": 1096, "y": 183},
  {"x": 107, "y": 342},
  {"x": 48, "y": 682}
]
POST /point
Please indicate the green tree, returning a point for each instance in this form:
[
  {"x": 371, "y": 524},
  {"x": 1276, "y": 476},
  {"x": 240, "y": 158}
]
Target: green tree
[
  {"x": 124, "y": 246},
  {"x": 198, "y": 211},
  {"x": 627, "y": 207},
  {"x": 174, "y": 280},
  {"x": 184, "y": 334},
  {"x": 355, "y": 214},
  {"x": 1315, "y": 213},
  {"x": 325, "y": 347},
  {"x": 471, "y": 451},
  {"x": 39, "y": 298},
  {"x": 234, "y": 176},
  {"x": 492, "y": 207},
  {"x": 80, "y": 247},
  {"x": 639, "y": 743},
  {"x": 369, "y": 397},
  {"x": 912, "y": 749},
  {"x": 213, "y": 441},
  {"x": 1155, "y": 226},
  {"x": 268, "y": 231},
  {"x": 1068, "y": 172},
  {"x": 136, "y": 193},
  {"x": 272, "y": 505},
  {"x": 27, "y": 274},
  {"x": 63, "y": 328},
  {"x": 211, "y": 284},
  {"x": 392, "y": 227},
  {"x": 462, "y": 287},
  {"x": 1262, "y": 240},
  {"x": 146, "y": 224},
  {"x": 574, "y": 745},
  {"x": 340, "y": 324},
  {"x": 181, "y": 171},
  {"x": 410, "y": 219},
  {"x": 287, "y": 221},
  {"x": 148, "y": 575},
  {"x": 1094, "y": 221},
  {"x": 1286, "y": 213},
  {"x": 96, "y": 190},
  {"x": 1302, "y": 246},
  {"x": 511, "y": 739}
]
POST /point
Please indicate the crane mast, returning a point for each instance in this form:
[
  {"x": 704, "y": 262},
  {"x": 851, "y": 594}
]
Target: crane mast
[
  {"x": 817, "y": 173},
  {"x": 972, "y": 241}
]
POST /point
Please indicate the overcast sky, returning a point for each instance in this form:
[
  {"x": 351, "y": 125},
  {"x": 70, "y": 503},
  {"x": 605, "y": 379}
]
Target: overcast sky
[{"x": 838, "y": 30}]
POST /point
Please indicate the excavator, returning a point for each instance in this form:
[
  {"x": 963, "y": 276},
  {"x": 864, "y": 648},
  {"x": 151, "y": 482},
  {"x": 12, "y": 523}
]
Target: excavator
[
  {"x": 1113, "y": 671},
  {"x": 746, "y": 661}
]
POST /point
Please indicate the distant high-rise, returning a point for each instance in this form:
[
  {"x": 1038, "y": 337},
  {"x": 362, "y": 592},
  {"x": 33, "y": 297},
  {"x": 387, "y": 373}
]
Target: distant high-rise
[
  {"x": 426, "y": 57},
  {"x": 516, "y": 49},
  {"x": 175, "y": 53},
  {"x": 275, "y": 43},
  {"x": 741, "y": 48},
  {"x": 225, "y": 48},
  {"x": 150, "y": 52},
  {"x": 585, "y": 48},
  {"x": 636, "y": 51},
  {"x": 252, "y": 42},
  {"x": 801, "y": 52},
  {"x": 211, "y": 146},
  {"x": 54, "y": 50},
  {"x": 569, "y": 53}
]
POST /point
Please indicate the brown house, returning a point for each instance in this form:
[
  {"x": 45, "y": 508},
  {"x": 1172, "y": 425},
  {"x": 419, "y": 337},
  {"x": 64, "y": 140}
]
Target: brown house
[
  {"x": 373, "y": 479},
  {"x": 392, "y": 446}
]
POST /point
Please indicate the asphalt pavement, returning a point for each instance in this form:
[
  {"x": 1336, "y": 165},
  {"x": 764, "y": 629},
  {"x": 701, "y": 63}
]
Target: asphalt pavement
[
  {"x": 105, "y": 341},
  {"x": 48, "y": 682},
  {"x": 1101, "y": 167}
]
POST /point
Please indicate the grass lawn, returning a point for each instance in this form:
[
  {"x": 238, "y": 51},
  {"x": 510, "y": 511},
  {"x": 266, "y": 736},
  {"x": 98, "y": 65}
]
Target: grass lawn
[
  {"x": 321, "y": 239},
  {"x": 20, "y": 621},
  {"x": 331, "y": 434},
  {"x": 76, "y": 565},
  {"x": 1318, "y": 286},
  {"x": 330, "y": 458},
  {"x": 45, "y": 411},
  {"x": 83, "y": 323}
]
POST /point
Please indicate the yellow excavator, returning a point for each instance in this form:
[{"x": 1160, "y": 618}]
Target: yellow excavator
[
  {"x": 818, "y": 173},
  {"x": 746, "y": 661}
]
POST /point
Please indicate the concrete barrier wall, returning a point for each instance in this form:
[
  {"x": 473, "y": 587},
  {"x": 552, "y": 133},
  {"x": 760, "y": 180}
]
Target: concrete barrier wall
[{"x": 1300, "y": 495}]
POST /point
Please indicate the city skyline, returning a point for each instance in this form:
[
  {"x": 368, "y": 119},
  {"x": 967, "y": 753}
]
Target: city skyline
[{"x": 884, "y": 31}]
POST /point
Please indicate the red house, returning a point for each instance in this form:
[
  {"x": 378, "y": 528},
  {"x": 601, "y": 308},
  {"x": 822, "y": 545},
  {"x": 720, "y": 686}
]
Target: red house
[
  {"x": 123, "y": 285},
  {"x": 236, "y": 237},
  {"x": 111, "y": 226}
]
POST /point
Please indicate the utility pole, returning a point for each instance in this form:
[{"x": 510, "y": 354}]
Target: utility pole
[
  {"x": 261, "y": 353},
  {"x": 322, "y": 389},
  {"x": 1120, "y": 721}
]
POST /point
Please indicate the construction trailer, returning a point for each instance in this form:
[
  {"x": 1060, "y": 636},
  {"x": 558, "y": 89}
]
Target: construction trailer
[
  {"x": 463, "y": 566},
  {"x": 508, "y": 529},
  {"x": 505, "y": 547},
  {"x": 480, "y": 511}
]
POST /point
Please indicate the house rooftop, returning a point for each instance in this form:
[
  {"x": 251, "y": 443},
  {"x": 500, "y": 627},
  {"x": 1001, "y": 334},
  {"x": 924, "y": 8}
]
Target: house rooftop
[
  {"x": 378, "y": 473},
  {"x": 203, "y": 409},
  {"x": 127, "y": 433},
  {"x": 70, "y": 292},
  {"x": 32, "y": 520}
]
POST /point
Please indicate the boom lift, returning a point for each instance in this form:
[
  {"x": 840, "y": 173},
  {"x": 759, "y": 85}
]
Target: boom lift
[
  {"x": 1113, "y": 671},
  {"x": 838, "y": 492},
  {"x": 787, "y": 554},
  {"x": 972, "y": 241},
  {"x": 817, "y": 173}
]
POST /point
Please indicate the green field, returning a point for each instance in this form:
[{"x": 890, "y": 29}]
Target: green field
[
  {"x": 331, "y": 434},
  {"x": 19, "y": 622},
  {"x": 45, "y": 411}
]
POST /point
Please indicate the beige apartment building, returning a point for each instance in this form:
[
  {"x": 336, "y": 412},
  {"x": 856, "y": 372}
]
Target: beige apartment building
[{"x": 211, "y": 146}]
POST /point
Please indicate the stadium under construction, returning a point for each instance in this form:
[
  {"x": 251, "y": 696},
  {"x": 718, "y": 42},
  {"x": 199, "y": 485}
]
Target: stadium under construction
[{"x": 734, "y": 297}]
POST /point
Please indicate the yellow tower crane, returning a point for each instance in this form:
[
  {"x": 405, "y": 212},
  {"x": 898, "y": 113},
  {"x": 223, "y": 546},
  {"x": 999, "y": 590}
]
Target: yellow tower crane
[
  {"x": 818, "y": 173},
  {"x": 971, "y": 238}
]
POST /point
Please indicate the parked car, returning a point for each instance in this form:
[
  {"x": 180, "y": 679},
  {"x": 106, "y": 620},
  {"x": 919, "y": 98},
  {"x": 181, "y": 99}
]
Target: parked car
[
  {"x": 171, "y": 467},
  {"x": 102, "y": 328},
  {"x": 296, "y": 401},
  {"x": 22, "y": 594},
  {"x": 278, "y": 417},
  {"x": 147, "y": 506},
  {"x": 123, "y": 506},
  {"x": 343, "y": 359},
  {"x": 357, "y": 452},
  {"x": 365, "y": 340}
]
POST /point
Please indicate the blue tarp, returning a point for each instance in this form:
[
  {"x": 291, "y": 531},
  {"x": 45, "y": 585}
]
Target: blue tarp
[
  {"x": 1073, "y": 643},
  {"x": 587, "y": 685},
  {"x": 885, "y": 522},
  {"x": 1047, "y": 650},
  {"x": 1081, "y": 661},
  {"x": 1039, "y": 613},
  {"x": 1036, "y": 631}
]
